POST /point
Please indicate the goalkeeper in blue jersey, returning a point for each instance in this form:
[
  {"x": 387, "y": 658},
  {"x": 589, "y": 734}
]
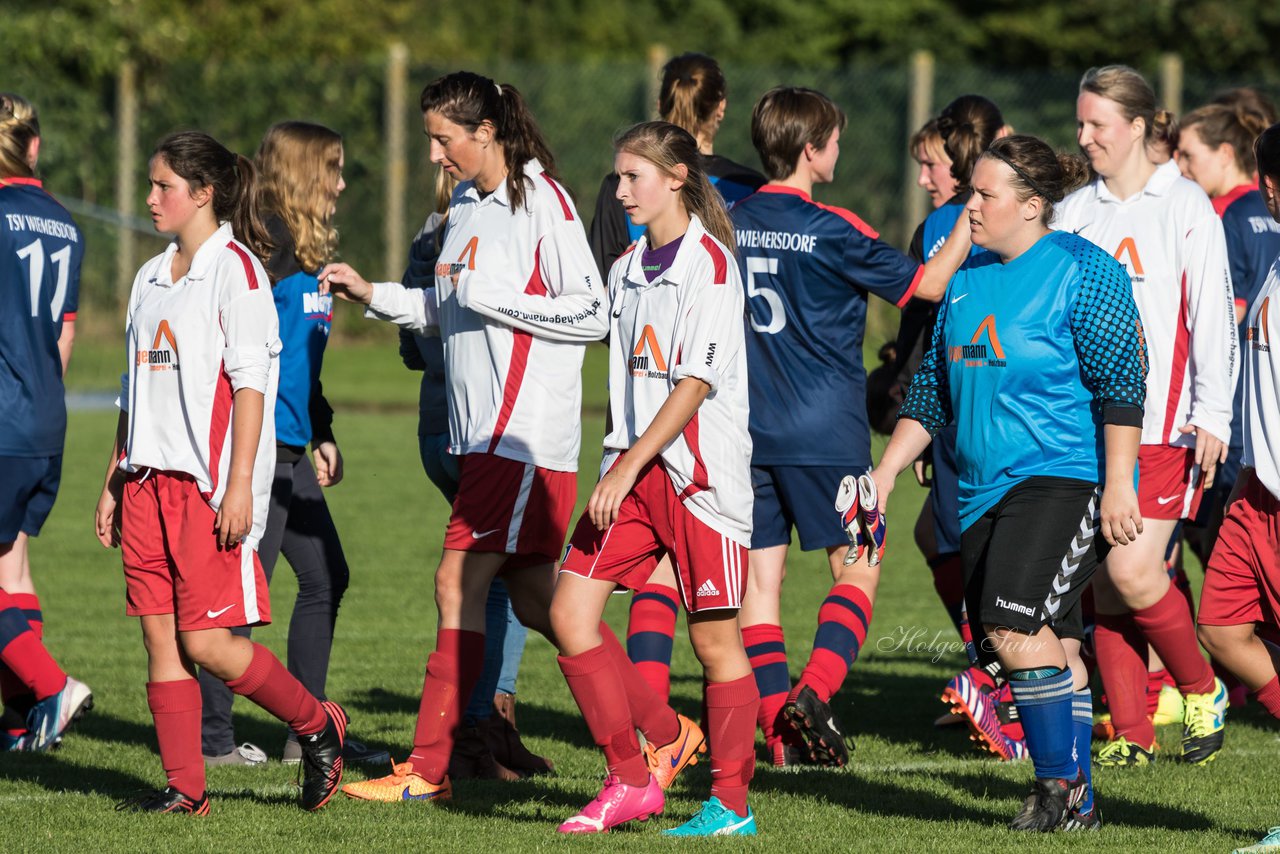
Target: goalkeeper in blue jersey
[{"x": 1038, "y": 358}]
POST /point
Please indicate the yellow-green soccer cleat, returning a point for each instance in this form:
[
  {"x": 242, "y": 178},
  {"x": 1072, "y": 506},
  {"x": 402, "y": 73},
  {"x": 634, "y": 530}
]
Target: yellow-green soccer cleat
[
  {"x": 1203, "y": 725},
  {"x": 1123, "y": 753}
]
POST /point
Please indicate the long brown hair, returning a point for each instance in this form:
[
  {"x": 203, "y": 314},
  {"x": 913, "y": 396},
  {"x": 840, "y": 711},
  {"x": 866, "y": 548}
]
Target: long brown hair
[
  {"x": 19, "y": 124},
  {"x": 202, "y": 161},
  {"x": 299, "y": 165},
  {"x": 1237, "y": 126},
  {"x": 469, "y": 100},
  {"x": 692, "y": 88},
  {"x": 968, "y": 126},
  {"x": 667, "y": 146}
]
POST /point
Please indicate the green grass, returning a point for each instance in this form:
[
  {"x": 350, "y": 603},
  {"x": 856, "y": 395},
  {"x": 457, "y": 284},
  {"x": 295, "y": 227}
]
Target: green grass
[{"x": 909, "y": 788}]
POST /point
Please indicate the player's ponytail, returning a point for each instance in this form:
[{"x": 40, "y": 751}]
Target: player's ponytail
[
  {"x": 469, "y": 99},
  {"x": 692, "y": 88},
  {"x": 667, "y": 146},
  {"x": 19, "y": 125},
  {"x": 1038, "y": 171},
  {"x": 968, "y": 126},
  {"x": 202, "y": 161}
]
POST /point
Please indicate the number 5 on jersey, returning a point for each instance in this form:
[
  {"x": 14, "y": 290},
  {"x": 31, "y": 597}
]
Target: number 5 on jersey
[{"x": 777, "y": 318}]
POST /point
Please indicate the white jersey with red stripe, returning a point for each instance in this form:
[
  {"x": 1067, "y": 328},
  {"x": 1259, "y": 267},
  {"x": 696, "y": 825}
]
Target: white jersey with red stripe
[
  {"x": 1262, "y": 384},
  {"x": 688, "y": 322},
  {"x": 1171, "y": 242},
  {"x": 191, "y": 345},
  {"x": 527, "y": 300}
]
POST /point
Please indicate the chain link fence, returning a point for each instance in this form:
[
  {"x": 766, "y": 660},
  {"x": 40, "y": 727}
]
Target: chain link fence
[{"x": 580, "y": 107}]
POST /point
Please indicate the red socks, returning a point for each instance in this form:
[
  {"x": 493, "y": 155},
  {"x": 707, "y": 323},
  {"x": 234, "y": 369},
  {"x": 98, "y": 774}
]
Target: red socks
[
  {"x": 843, "y": 620},
  {"x": 1269, "y": 696},
  {"x": 1122, "y": 660},
  {"x": 175, "y": 707},
  {"x": 648, "y": 711},
  {"x": 10, "y": 685},
  {"x": 600, "y": 692},
  {"x": 732, "y": 708},
  {"x": 1155, "y": 683},
  {"x": 22, "y": 651},
  {"x": 767, "y": 652},
  {"x": 651, "y": 629},
  {"x": 452, "y": 672},
  {"x": 267, "y": 683},
  {"x": 1172, "y": 633}
]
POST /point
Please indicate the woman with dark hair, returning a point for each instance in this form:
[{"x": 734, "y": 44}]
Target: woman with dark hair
[
  {"x": 1037, "y": 357},
  {"x": 516, "y": 300},
  {"x": 189, "y": 479},
  {"x": 1163, "y": 228}
]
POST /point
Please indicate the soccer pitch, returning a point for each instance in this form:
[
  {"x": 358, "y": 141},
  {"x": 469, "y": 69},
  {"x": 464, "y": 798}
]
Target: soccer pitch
[{"x": 909, "y": 787}]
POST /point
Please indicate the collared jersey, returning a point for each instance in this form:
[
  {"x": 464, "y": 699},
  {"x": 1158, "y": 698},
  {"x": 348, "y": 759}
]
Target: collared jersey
[
  {"x": 41, "y": 249},
  {"x": 808, "y": 269},
  {"x": 1253, "y": 242},
  {"x": 305, "y": 317},
  {"x": 527, "y": 301},
  {"x": 688, "y": 322},
  {"x": 191, "y": 345},
  {"x": 1171, "y": 243},
  {"x": 1262, "y": 383},
  {"x": 1024, "y": 356}
]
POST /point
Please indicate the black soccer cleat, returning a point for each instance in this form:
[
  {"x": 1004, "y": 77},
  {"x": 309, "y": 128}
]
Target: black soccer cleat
[
  {"x": 1078, "y": 821},
  {"x": 321, "y": 767},
  {"x": 167, "y": 799},
  {"x": 817, "y": 725},
  {"x": 1051, "y": 801}
]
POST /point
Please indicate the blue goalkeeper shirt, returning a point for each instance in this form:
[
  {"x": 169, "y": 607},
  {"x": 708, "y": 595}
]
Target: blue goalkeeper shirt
[{"x": 1029, "y": 359}]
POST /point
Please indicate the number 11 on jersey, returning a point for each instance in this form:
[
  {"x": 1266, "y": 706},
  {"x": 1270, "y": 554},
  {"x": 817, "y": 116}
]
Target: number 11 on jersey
[{"x": 33, "y": 254}]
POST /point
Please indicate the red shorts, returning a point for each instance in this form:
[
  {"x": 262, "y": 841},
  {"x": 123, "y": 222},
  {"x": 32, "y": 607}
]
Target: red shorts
[
  {"x": 711, "y": 569},
  {"x": 1170, "y": 485},
  {"x": 1242, "y": 581},
  {"x": 172, "y": 561},
  {"x": 513, "y": 507}
]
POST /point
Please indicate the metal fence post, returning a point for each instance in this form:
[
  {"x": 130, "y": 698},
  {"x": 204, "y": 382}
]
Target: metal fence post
[
  {"x": 1171, "y": 82},
  {"x": 394, "y": 236},
  {"x": 126, "y": 174}
]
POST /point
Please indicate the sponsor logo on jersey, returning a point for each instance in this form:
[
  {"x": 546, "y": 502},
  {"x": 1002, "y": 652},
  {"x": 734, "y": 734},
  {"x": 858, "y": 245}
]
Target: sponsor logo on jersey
[
  {"x": 158, "y": 357},
  {"x": 1264, "y": 225},
  {"x": 1128, "y": 248},
  {"x": 980, "y": 354},
  {"x": 466, "y": 260},
  {"x": 646, "y": 359},
  {"x": 317, "y": 306},
  {"x": 1259, "y": 337}
]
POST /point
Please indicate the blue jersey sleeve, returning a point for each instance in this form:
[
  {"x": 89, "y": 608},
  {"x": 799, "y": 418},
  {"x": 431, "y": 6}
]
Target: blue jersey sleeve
[
  {"x": 878, "y": 268},
  {"x": 928, "y": 400},
  {"x": 1108, "y": 338}
]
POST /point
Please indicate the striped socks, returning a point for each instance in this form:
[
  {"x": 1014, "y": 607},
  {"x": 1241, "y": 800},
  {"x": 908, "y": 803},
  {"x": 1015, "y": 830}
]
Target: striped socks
[
  {"x": 1045, "y": 698},
  {"x": 1082, "y": 724},
  {"x": 843, "y": 621},
  {"x": 650, "y": 631},
  {"x": 767, "y": 653}
]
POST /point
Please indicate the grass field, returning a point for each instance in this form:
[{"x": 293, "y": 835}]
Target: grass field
[{"x": 909, "y": 787}]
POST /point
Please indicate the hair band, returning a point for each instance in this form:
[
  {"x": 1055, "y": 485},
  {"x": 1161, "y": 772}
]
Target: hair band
[{"x": 1039, "y": 191}]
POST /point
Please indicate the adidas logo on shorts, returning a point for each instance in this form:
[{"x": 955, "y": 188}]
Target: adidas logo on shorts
[{"x": 708, "y": 589}]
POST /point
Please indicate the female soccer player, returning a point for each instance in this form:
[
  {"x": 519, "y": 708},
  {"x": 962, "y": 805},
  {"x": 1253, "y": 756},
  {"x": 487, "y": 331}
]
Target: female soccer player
[
  {"x": 189, "y": 479},
  {"x": 488, "y": 745},
  {"x": 1164, "y": 230},
  {"x": 1038, "y": 359},
  {"x": 809, "y": 269},
  {"x": 40, "y": 254},
  {"x": 676, "y": 482},
  {"x": 928, "y": 149},
  {"x": 516, "y": 299},
  {"x": 1215, "y": 149},
  {"x": 300, "y": 178}
]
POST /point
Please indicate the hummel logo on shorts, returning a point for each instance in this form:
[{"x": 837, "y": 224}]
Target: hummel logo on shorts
[{"x": 708, "y": 589}]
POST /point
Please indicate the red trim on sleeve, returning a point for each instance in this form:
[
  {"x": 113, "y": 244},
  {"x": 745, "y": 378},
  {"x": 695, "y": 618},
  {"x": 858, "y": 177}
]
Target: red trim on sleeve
[
  {"x": 69, "y": 316},
  {"x": 564, "y": 203},
  {"x": 219, "y": 423},
  {"x": 852, "y": 218},
  {"x": 1178, "y": 370},
  {"x": 1223, "y": 202},
  {"x": 717, "y": 258},
  {"x": 911, "y": 289},
  {"x": 248, "y": 264},
  {"x": 700, "y": 482},
  {"x": 28, "y": 182}
]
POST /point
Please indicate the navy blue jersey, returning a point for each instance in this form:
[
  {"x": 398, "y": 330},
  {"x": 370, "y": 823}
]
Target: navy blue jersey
[
  {"x": 41, "y": 249},
  {"x": 305, "y": 317},
  {"x": 1253, "y": 242},
  {"x": 1027, "y": 356},
  {"x": 808, "y": 269}
]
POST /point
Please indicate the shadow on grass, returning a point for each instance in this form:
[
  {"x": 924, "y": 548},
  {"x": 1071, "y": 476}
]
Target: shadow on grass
[{"x": 50, "y": 772}]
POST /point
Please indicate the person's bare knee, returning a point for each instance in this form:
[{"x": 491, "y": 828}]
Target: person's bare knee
[{"x": 717, "y": 642}]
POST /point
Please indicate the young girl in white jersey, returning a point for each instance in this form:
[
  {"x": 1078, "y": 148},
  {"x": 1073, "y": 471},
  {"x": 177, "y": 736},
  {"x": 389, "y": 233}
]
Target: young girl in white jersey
[
  {"x": 676, "y": 482},
  {"x": 1163, "y": 228},
  {"x": 516, "y": 299},
  {"x": 189, "y": 479}
]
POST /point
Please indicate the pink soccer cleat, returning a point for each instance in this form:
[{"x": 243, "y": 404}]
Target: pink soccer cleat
[{"x": 617, "y": 804}]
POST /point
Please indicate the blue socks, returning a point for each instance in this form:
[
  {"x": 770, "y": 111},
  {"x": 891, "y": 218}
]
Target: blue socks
[
  {"x": 1082, "y": 724},
  {"x": 1044, "y": 697}
]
